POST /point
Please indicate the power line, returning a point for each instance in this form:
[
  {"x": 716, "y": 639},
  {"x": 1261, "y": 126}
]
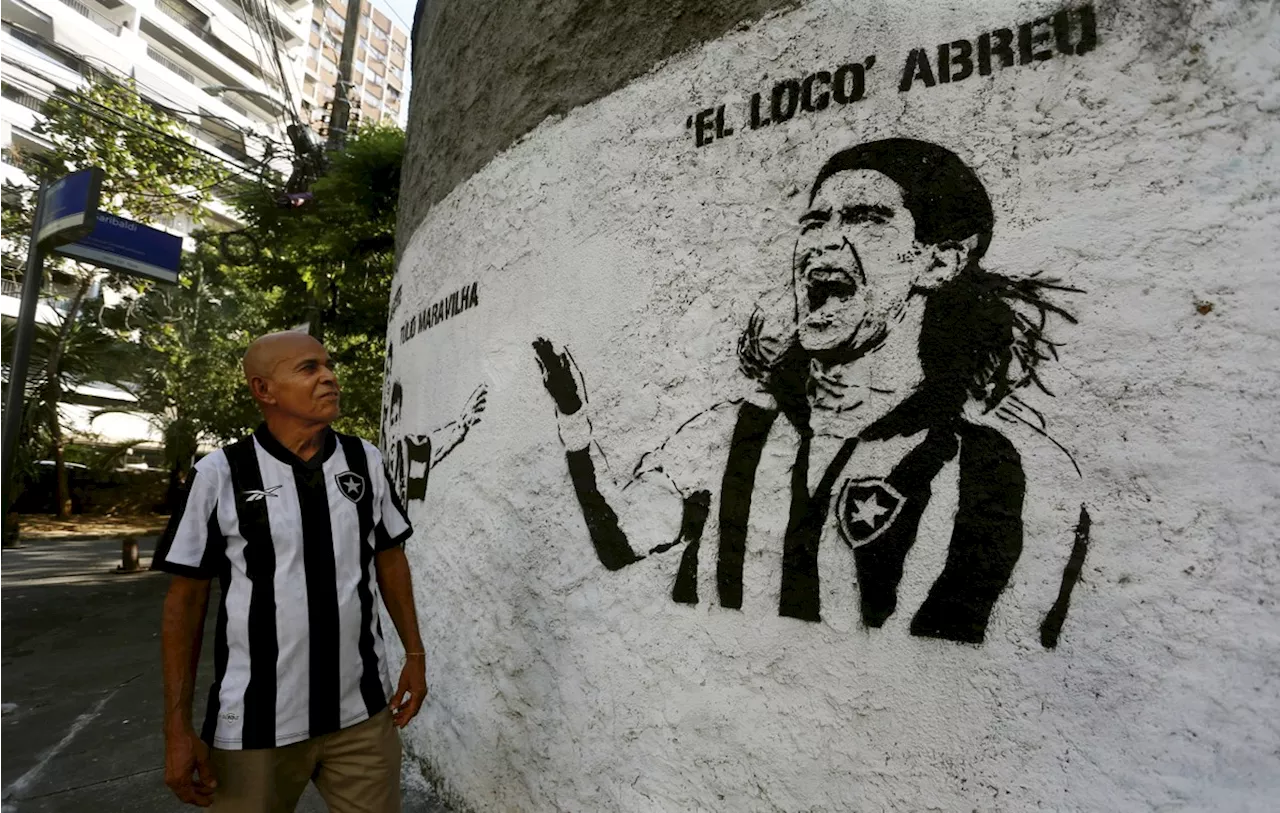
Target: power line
[
  {"x": 116, "y": 77},
  {"x": 258, "y": 19},
  {"x": 108, "y": 70},
  {"x": 169, "y": 136},
  {"x": 206, "y": 188},
  {"x": 260, "y": 27},
  {"x": 119, "y": 120},
  {"x": 135, "y": 127},
  {"x": 407, "y": 27},
  {"x": 271, "y": 26},
  {"x": 254, "y": 38}
]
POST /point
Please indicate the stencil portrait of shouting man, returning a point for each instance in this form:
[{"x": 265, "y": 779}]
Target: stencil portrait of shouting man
[{"x": 885, "y": 398}]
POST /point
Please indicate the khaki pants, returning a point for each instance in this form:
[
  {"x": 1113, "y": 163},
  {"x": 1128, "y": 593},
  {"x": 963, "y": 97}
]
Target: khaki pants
[{"x": 357, "y": 770}]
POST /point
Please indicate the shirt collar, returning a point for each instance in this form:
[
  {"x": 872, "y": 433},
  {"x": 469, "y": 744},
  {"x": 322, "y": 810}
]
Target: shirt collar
[{"x": 277, "y": 449}]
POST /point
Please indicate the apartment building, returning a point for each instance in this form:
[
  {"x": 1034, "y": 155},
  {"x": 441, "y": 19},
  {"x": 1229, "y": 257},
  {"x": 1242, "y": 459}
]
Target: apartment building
[
  {"x": 231, "y": 64},
  {"x": 379, "y": 91}
]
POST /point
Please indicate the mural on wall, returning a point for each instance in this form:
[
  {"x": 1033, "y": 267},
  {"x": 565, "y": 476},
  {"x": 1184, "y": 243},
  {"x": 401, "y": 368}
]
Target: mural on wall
[
  {"x": 889, "y": 352},
  {"x": 411, "y": 457}
]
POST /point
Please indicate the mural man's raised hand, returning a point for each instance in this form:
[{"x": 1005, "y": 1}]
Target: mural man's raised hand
[
  {"x": 560, "y": 375},
  {"x": 475, "y": 405}
]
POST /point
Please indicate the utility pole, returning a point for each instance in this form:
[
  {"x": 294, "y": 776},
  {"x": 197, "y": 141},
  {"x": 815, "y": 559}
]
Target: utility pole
[{"x": 340, "y": 115}]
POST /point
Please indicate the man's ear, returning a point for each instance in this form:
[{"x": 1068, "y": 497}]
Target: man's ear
[
  {"x": 949, "y": 258},
  {"x": 261, "y": 391}
]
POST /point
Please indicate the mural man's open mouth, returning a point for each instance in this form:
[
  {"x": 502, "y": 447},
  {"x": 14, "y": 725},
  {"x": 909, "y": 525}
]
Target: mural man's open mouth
[{"x": 828, "y": 287}]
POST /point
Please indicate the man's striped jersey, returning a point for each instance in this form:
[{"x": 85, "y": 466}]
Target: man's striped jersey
[{"x": 298, "y": 648}]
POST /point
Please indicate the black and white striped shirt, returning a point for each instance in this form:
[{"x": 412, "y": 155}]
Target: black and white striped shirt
[{"x": 298, "y": 648}]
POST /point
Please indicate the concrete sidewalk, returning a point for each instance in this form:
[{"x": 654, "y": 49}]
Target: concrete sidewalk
[{"x": 81, "y": 692}]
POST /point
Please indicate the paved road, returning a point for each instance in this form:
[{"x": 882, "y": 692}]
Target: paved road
[{"x": 81, "y": 689}]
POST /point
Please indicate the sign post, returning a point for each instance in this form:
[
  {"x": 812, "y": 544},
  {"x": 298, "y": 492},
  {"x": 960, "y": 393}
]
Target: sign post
[{"x": 65, "y": 210}]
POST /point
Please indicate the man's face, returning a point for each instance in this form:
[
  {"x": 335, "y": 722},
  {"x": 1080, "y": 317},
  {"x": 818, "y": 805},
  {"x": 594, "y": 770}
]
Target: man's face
[
  {"x": 856, "y": 262},
  {"x": 303, "y": 383}
]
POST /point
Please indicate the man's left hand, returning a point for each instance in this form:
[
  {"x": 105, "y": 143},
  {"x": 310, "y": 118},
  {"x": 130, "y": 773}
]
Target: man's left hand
[{"x": 411, "y": 692}]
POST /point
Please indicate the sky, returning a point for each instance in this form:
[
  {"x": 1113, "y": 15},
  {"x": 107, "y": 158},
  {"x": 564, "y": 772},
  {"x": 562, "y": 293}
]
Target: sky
[{"x": 400, "y": 10}]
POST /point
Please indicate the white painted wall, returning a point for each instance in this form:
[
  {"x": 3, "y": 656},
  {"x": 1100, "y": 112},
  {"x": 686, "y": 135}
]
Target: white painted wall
[{"x": 1144, "y": 173}]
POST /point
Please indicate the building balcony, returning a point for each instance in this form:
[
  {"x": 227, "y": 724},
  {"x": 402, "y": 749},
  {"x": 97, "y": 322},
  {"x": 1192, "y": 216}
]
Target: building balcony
[
  {"x": 196, "y": 60},
  {"x": 185, "y": 16},
  {"x": 19, "y": 13},
  {"x": 80, "y": 27},
  {"x": 229, "y": 16},
  {"x": 229, "y": 60},
  {"x": 94, "y": 16},
  {"x": 172, "y": 66}
]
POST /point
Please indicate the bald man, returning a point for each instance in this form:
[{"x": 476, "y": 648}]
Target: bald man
[{"x": 302, "y": 529}]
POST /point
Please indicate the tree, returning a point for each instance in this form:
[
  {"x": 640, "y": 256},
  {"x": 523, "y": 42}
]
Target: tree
[
  {"x": 152, "y": 170},
  {"x": 187, "y": 342},
  {"x": 331, "y": 260},
  {"x": 64, "y": 355}
]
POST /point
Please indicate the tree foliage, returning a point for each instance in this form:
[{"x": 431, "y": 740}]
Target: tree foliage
[
  {"x": 86, "y": 353},
  {"x": 331, "y": 261},
  {"x": 151, "y": 170},
  {"x": 187, "y": 340}
]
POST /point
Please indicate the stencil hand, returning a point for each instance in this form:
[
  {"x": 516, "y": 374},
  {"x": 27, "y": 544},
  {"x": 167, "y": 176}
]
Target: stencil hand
[
  {"x": 560, "y": 375},
  {"x": 475, "y": 406}
]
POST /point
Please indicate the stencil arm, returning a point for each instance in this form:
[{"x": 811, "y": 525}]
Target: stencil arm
[{"x": 648, "y": 504}]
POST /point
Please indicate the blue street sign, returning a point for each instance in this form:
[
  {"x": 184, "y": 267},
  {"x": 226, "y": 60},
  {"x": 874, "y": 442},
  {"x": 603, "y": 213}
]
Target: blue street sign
[
  {"x": 70, "y": 204},
  {"x": 128, "y": 247}
]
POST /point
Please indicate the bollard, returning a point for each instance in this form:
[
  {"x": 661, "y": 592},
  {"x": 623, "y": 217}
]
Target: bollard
[
  {"x": 129, "y": 555},
  {"x": 12, "y": 532}
]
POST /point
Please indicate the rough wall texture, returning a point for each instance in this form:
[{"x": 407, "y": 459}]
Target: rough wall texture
[
  {"x": 795, "y": 522},
  {"x": 486, "y": 72}
]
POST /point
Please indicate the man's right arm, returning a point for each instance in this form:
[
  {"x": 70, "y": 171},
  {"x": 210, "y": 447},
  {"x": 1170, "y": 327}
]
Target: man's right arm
[
  {"x": 193, "y": 550},
  {"x": 182, "y": 629}
]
